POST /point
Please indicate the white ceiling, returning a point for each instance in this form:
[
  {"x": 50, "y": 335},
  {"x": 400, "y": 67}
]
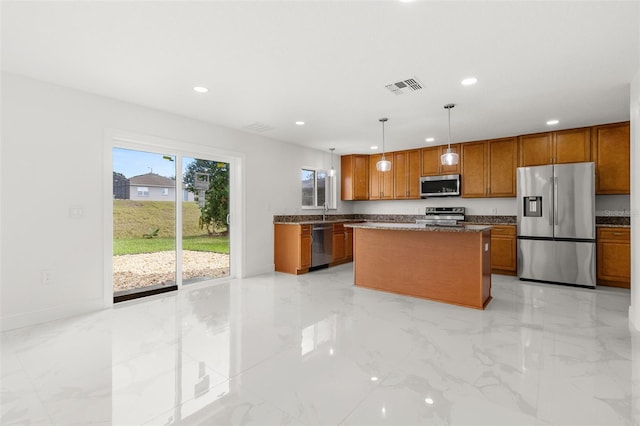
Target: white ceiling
[{"x": 327, "y": 63}]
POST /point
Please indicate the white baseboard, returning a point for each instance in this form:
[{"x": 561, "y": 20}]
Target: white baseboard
[
  {"x": 26, "y": 319},
  {"x": 634, "y": 320}
]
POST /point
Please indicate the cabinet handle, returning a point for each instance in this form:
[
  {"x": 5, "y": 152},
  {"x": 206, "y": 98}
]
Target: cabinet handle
[{"x": 618, "y": 233}]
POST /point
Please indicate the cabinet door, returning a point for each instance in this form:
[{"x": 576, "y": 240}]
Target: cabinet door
[
  {"x": 503, "y": 249},
  {"x": 430, "y": 161},
  {"x": 572, "y": 146},
  {"x": 375, "y": 183},
  {"x": 348, "y": 243},
  {"x": 502, "y": 167},
  {"x": 380, "y": 183},
  {"x": 614, "y": 257},
  {"x": 474, "y": 167},
  {"x": 612, "y": 158},
  {"x": 354, "y": 176},
  {"x": 400, "y": 168},
  {"x": 535, "y": 150},
  {"x": 406, "y": 174},
  {"x": 305, "y": 246},
  {"x": 338, "y": 243},
  {"x": 450, "y": 170},
  {"x": 414, "y": 175}
]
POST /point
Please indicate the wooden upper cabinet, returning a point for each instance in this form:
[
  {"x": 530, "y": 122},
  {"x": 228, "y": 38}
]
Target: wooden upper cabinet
[
  {"x": 354, "y": 176},
  {"x": 503, "y": 154},
  {"x": 474, "y": 169},
  {"x": 489, "y": 168},
  {"x": 612, "y": 158},
  {"x": 536, "y": 149},
  {"x": 431, "y": 165},
  {"x": 572, "y": 146},
  {"x": 406, "y": 174},
  {"x": 564, "y": 146},
  {"x": 380, "y": 183}
]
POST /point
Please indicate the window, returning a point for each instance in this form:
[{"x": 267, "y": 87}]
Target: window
[
  {"x": 165, "y": 192},
  {"x": 318, "y": 189},
  {"x": 143, "y": 191}
]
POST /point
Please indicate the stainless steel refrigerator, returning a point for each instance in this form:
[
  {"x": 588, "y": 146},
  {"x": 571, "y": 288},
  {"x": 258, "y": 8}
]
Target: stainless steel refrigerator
[{"x": 556, "y": 224}]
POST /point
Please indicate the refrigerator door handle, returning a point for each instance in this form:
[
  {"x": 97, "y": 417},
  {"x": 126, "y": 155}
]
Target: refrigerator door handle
[
  {"x": 555, "y": 199},
  {"x": 550, "y": 204}
]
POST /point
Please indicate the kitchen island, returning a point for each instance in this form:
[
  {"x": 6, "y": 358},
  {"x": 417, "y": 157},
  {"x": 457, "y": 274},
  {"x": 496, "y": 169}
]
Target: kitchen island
[{"x": 445, "y": 264}]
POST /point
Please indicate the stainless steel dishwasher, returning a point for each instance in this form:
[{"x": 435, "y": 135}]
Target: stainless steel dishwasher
[{"x": 321, "y": 245}]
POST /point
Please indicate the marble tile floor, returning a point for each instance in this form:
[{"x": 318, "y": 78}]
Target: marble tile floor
[{"x": 313, "y": 349}]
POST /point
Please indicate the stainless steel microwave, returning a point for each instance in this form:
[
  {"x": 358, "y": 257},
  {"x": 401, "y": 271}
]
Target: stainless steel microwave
[{"x": 439, "y": 186}]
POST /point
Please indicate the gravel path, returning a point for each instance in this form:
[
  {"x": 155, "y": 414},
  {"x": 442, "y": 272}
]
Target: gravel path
[{"x": 140, "y": 270}]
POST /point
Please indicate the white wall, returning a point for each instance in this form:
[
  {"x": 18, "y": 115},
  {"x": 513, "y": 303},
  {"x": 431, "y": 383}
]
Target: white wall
[
  {"x": 634, "y": 309},
  {"x": 53, "y": 158}
]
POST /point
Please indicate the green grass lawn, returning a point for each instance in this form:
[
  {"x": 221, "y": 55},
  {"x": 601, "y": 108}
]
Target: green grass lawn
[
  {"x": 132, "y": 219},
  {"x": 217, "y": 244}
]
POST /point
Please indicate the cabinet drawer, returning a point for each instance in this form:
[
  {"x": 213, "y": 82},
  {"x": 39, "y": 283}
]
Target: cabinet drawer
[
  {"x": 620, "y": 234},
  {"x": 503, "y": 230},
  {"x": 338, "y": 228},
  {"x": 305, "y": 230}
]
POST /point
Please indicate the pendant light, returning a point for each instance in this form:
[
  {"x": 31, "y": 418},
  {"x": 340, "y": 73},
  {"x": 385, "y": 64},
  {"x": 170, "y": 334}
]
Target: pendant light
[
  {"x": 449, "y": 158},
  {"x": 332, "y": 171},
  {"x": 383, "y": 165}
]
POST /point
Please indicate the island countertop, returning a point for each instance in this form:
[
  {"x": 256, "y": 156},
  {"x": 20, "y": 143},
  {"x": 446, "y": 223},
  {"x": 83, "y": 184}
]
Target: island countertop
[{"x": 418, "y": 227}]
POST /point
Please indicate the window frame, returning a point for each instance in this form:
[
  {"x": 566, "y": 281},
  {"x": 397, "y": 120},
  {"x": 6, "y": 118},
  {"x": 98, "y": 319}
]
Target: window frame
[
  {"x": 330, "y": 194},
  {"x": 141, "y": 193}
]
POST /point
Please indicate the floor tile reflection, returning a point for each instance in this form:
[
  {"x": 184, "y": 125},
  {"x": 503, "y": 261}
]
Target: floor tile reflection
[{"x": 313, "y": 349}]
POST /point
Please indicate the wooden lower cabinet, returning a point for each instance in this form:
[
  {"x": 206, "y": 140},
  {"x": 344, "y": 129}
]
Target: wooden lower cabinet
[
  {"x": 338, "y": 243},
  {"x": 613, "y": 247},
  {"x": 503, "y": 250},
  {"x": 292, "y": 248},
  {"x": 348, "y": 244},
  {"x": 342, "y": 244}
]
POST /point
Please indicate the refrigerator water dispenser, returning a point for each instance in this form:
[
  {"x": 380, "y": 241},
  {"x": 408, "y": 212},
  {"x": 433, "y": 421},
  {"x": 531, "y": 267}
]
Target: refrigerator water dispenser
[{"x": 532, "y": 206}]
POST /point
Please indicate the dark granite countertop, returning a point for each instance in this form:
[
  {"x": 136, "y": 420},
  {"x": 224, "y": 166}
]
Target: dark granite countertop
[{"x": 417, "y": 227}]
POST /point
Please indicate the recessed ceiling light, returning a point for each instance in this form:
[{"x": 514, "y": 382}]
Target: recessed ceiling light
[
  {"x": 469, "y": 81},
  {"x": 374, "y": 147},
  {"x": 428, "y": 401},
  {"x": 201, "y": 89},
  {"x": 299, "y": 123},
  {"x": 429, "y": 139},
  {"x": 552, "y": 122}
]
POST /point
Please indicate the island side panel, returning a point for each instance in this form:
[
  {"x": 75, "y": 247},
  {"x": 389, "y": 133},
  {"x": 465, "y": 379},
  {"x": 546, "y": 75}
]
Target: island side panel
[{"x": 443, "y": 266}]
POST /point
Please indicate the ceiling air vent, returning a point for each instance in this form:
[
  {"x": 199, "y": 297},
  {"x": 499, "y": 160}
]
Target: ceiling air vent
[
  {"x": 257, "y": 127},
  {"x": 410, "y": 84}
]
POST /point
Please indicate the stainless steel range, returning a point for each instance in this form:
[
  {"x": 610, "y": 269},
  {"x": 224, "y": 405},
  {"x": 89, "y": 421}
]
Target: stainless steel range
[{"x": 443, "y": 216}]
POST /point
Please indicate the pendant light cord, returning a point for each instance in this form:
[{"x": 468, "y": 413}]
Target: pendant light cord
[{"x": 449, "y": 128}]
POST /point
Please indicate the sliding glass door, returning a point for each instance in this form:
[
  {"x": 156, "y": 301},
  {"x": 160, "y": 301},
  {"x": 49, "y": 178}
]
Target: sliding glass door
[
  {"x": 149, "y": 236},
  {"x": 205, "y": 220}
]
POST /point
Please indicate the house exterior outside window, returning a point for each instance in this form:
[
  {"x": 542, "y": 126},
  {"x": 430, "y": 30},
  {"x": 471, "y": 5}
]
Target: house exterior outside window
[{"x": 143, "y": 191}]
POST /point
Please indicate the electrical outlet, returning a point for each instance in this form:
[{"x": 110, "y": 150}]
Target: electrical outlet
[
  {"x": 76, "y": 212},
  {"x": 46, "y": 276},
  {"x": 494, "y": 210}
]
